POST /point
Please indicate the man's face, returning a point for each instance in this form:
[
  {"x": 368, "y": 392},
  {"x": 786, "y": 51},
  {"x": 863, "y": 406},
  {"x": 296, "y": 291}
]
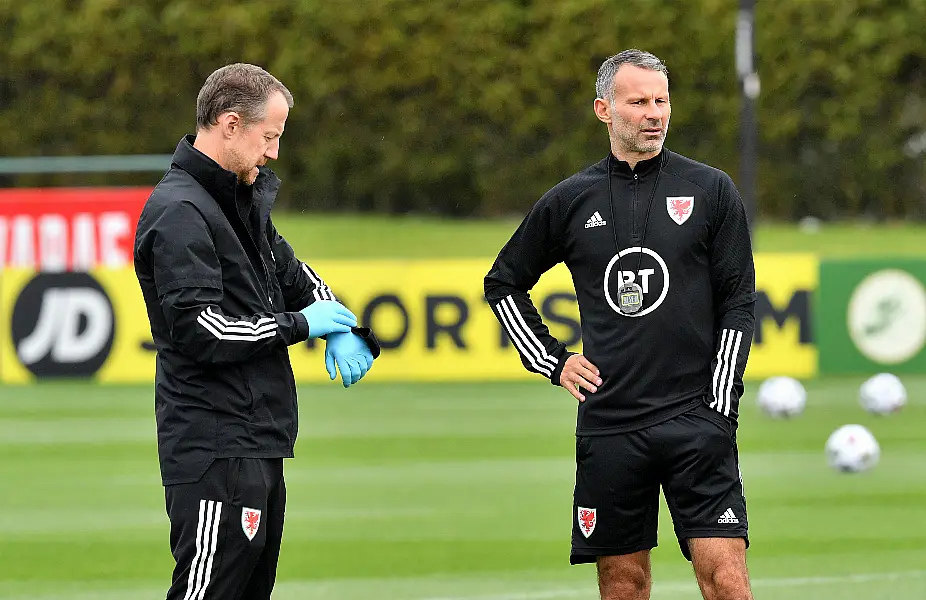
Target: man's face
[
  {"x": 253, "y": 145},
  {"x": 639, "y": 113}
]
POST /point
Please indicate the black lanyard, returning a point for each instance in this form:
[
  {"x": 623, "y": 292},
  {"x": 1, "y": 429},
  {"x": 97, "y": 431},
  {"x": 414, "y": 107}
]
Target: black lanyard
[{"x": 617, "y": 247}]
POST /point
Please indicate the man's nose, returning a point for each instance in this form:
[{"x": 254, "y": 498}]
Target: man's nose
[
  {"x": 654, "y": 112},
  {"x": 273, "y": 151}
]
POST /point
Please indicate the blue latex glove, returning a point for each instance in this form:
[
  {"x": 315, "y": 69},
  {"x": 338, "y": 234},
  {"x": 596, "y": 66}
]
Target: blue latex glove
[
  {"x": 328, "y": 316},
  {"x": 351, "y": 355}
]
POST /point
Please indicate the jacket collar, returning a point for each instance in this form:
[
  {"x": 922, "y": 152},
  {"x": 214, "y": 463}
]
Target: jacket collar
[
  {"x": 221, "y": 183},
  {"x": 643, "y": 168}
]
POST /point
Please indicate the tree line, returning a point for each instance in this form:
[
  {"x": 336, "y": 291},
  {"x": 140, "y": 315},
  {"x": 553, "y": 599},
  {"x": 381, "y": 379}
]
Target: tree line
[{"x": 476, "y": 107}]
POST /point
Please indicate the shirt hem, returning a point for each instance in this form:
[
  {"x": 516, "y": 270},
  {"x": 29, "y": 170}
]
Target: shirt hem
[{"x": 643, "y": 423}]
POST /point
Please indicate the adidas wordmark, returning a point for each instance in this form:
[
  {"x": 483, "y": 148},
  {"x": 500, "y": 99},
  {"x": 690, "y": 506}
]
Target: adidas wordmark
[
  {"x": 595, "y": 221},
  {"x": 728, "y": 517}
]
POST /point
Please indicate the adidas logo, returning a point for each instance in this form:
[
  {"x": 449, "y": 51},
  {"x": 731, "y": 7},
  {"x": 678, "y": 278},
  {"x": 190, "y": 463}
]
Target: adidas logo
[
  {"x": 595, "y": 221},
  {"x": 728, "y": 517}
]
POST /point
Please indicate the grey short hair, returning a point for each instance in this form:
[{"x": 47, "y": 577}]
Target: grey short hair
[
  {"x": 604, "y": 85},
  {"x": 240, "y": 88}
]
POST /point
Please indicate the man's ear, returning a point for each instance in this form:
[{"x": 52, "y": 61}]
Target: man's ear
[
  {"x": 602, "y": 110},
  {"x": 229, "y": 123}
]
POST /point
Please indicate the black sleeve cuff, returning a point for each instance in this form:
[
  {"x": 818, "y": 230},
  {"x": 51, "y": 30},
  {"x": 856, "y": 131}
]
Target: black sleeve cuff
[
  {"x": 558, "y": 371},
  {"x": 301, "y": 327},
  {"x": 370, "y": 338}
]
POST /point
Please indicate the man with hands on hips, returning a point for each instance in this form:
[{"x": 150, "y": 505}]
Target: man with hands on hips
[
  {"x": 660, "y": 255},
  {"x": 225, "y": 297}
]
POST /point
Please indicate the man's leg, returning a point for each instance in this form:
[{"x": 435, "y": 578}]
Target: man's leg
[
  {"x": 214, "y": 545},
  {"x": 262, "y": 578},
  {"x": 720, "y": 567},
  {"x": 615, "y": 512},
  {"x": 704, "y": 492},
  {"x": 625, "y": 577}
]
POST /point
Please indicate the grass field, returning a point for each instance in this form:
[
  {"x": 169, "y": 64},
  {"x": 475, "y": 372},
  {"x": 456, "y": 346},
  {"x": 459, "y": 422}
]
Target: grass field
[
  {"x": 365, "y": 236},
  {"x": 455, "y": 491},
  {"x": 445, "y": 492}
]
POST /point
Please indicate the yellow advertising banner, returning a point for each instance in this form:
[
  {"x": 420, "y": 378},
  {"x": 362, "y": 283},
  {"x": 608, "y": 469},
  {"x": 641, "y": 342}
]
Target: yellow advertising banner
[
  {"x": 74, "y": 325},
  {"x": 784, "y": 342},
  {"x": 432, "y": 320},
  {"x": 430, "y": 317}
]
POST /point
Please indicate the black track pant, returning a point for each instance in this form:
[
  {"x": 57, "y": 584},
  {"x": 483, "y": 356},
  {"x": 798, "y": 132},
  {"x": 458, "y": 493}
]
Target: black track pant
[{"x": 225, "y": 530}]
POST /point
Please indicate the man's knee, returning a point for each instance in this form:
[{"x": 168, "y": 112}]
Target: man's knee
[
  {"x": 625, "y": 576},
  {"x": 720, "y": 567},
  {"x": 726, "y": 582}
]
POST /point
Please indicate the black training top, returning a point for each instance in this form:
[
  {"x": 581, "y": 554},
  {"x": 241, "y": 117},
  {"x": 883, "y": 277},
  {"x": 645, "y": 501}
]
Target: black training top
[{"x": 678, "y": 229}]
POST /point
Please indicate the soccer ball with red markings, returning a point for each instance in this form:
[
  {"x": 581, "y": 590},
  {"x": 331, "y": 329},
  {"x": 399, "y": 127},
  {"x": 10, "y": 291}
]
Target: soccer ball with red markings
[
  {"x": 781, "y": 397},
  {"x": 882, "y": 394},
  {"x": 852, "y": 449}
]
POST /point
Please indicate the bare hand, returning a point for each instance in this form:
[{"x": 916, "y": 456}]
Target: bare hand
[{"x": 578, "y": 373}]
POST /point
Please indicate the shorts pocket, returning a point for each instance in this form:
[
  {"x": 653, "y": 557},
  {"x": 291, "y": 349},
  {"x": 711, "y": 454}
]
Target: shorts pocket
[
  {"x": 726, "y": 424},
  {"x": 583, "y": 447}
]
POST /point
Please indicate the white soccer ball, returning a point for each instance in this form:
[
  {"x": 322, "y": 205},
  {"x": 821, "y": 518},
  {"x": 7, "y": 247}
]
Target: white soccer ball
[
  {"x": 852, "y": 449},
  {"x": 882, "y": 394},
  {"x": 782, "y": 397}
]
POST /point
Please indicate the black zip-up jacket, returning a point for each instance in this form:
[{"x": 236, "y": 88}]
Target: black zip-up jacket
[
  {"x": 222, "y": 289},
  {"x": 690, "y": 340}
]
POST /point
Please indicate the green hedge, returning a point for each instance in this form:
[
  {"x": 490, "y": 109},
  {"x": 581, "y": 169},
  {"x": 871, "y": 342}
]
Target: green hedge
[{"x": 476, "y": 107}]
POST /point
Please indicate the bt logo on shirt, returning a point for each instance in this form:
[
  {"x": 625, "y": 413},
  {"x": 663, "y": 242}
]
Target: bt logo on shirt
[{"x": 652, "y": 276}]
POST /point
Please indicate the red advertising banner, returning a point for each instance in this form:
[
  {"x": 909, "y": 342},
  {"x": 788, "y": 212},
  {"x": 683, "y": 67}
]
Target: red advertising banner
[{"x": 69, "y": 229}]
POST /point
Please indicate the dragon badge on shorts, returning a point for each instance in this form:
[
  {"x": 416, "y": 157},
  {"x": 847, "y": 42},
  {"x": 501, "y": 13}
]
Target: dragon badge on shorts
[
  {"x": 250, "y": 521},
  {"x": 587, "y": 518}
]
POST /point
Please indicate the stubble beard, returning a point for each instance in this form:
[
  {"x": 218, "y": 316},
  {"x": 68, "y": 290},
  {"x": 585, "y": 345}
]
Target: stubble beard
[
  {"x": 248, "y": 177},
  {"x": 630, "y": 138},
  {"x": 632, "y": 142},
  {"x": 644, "y": 147},
  {"x": 246, "y": 174}
]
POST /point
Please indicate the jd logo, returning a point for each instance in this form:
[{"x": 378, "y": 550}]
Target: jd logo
[
  {"x": 63, "y": 325},
  {"x": 652, "y": 276},
  {"x": 887, "y": 316}
]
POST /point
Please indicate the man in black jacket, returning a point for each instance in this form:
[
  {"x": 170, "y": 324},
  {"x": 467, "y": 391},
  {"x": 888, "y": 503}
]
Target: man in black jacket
[
  {"x": 225, "y": 297},
  {"x": 659, "y": 250}
]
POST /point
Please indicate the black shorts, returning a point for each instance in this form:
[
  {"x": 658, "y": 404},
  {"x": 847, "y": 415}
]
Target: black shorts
[{"x": 616, "y": 503}]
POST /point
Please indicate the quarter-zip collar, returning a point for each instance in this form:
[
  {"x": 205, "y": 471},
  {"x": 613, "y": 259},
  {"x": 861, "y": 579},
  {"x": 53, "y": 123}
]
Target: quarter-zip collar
[{"x": 643, "y": 168}]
